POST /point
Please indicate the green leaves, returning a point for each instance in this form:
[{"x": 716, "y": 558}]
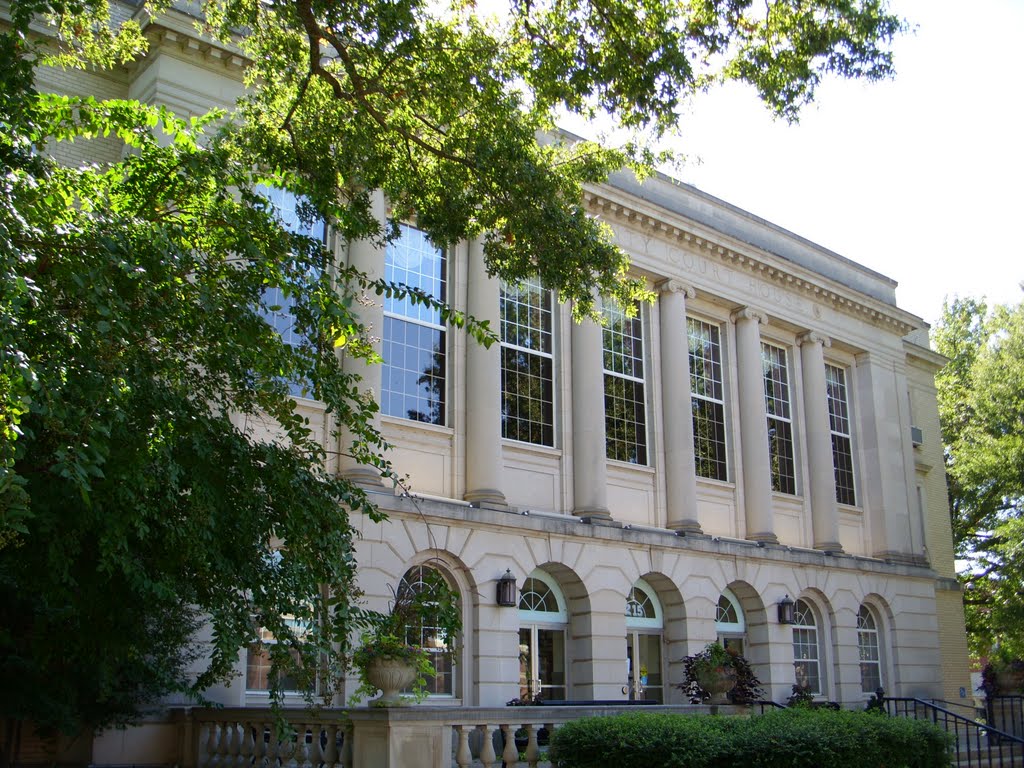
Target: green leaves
[
  {"x": 981, "y": 407},
  {"x": 140, "y": 493}
]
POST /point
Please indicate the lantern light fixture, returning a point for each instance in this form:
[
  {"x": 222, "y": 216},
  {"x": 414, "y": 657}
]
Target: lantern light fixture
[
  {"x": 507, "y": 590},
  {"x": 785, "y": 606}
]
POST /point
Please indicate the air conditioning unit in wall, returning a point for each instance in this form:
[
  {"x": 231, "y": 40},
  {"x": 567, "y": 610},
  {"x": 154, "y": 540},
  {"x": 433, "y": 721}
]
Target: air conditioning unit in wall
[{"x": 916, "y": 436}]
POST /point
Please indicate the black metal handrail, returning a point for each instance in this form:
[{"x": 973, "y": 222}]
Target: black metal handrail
[
  {"x": 974, "y": 744},
  {"x": 1005, "y": 713},
  {"x": 974, "y": 708}
]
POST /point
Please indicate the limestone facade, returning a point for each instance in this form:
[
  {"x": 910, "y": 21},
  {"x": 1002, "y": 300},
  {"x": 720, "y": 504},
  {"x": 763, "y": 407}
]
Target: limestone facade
[{"x": 684, "y": 522}]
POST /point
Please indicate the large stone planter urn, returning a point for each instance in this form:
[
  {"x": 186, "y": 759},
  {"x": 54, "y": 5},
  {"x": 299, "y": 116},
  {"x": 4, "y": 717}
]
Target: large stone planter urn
[
  {"x": 391, "y": 676},
  {"x": 717, "y": 681}
]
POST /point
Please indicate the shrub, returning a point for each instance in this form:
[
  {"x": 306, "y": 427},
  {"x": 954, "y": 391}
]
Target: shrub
[{"x": 795, "y": 738}]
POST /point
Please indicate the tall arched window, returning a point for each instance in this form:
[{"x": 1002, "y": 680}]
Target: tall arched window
[
  {"x": 542, "y": 621},
  {"x": 868, "y": 648},
  {"x": 420, "y": 579},
  {"x": 730, "y": 626},
  {"x": 806, "y": 655},
  {"x": 644, "y": 624}
]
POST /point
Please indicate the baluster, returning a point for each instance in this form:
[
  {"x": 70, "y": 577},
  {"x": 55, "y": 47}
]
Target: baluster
[
  {"x": 510, "y": 754},
  {"x": 234, "y": 745},
  {"x": 203, "y": 741},
  {"x": 259, "y": 746},
  {"x": 307, "y": 748},
  {"x": 211, "y": 744},
  {"x": 330, "y": 749},
  {"x": 273, "y": 750},
  {"x": 223, "y": 742},
  {"x": 487, "y": 756},
  {"x": 317, "y": 747},
  {"x": 346, "y": 747},
  {"x": 286, "y": 750},
  {"x": 463, "y": 757},
  {"x": 532, "y": 750},
  {"x": 245, "y": 753}
]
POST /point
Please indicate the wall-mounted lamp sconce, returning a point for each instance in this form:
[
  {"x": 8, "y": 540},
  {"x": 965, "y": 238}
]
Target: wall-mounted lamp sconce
[
  {"x": 785, "y": 606},
  {"x": 507, "y": 592}
]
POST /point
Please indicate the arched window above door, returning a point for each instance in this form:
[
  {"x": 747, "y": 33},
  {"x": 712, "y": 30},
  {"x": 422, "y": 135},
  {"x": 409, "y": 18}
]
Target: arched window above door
[
  {"x": 541, "y": 599},
  {"x": 730, "y": 624},
  {"x": 643, "y": 610}
]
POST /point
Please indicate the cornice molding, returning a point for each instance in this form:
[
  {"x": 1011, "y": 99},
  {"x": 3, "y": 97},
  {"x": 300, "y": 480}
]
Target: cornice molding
[{"x": 690, "y": 236}]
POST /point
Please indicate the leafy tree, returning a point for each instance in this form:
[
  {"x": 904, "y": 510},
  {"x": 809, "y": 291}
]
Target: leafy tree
[
  {"x": 135, "y": 501},
  {"x": 981, "y": 407}
]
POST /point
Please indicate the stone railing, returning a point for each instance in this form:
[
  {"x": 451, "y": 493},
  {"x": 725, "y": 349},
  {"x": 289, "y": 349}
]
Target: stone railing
[{"x": 399, "y": 737}]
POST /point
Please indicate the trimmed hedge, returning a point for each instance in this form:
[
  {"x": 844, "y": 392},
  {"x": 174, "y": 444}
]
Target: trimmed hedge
[{"x": 791, "y": 738}]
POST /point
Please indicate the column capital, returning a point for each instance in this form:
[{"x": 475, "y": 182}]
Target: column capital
[
  {"x": 813, "y": 337},
  {"x": 749, "y": 313},
  {"x": 677, "y": 286}
]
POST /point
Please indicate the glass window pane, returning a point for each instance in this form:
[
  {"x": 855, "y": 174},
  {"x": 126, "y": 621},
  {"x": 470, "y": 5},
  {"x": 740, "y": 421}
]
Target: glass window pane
[{"x": 414, "y": 340}]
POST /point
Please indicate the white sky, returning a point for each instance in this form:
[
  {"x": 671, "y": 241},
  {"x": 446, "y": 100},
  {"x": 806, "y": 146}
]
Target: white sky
[{"x": 920, "y": 178}]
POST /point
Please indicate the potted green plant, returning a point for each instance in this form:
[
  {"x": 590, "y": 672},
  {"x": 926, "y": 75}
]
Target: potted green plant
[
  {"x": 394, "y": 654},
  {"x": 714, "y": 672},
  {"x": 721, "y": 676}
]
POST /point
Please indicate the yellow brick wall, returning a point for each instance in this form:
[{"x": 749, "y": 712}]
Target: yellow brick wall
[
  {"x": 931, "y": 476},
  {"x": 953, "y": 645},
  {"x": 72, "y": 82}
]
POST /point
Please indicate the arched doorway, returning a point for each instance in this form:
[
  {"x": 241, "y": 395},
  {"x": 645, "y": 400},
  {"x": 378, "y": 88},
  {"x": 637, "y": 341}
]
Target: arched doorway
[
  {"x": 730, "y": 623},
  {"x": 644, "y": 624},
  {"x": 543, "y": 619}
]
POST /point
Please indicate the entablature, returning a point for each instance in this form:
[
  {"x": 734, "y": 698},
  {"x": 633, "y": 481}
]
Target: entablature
[{"x": 744, "y": 257}]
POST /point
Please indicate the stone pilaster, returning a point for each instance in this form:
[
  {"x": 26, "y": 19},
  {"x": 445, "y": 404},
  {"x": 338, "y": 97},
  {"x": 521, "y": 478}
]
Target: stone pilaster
[
  {"x": 484, "y": 464},
  {"x": 677, "y": 409},
  {"x": 883, "y": 429},
  {"x": 589, "y": 451},
  {"x": 757, "y": 478},
  {"x": 822, "y": 480}
]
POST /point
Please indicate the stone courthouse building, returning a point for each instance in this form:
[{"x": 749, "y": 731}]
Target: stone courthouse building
[{"x": 765, "y": 432}]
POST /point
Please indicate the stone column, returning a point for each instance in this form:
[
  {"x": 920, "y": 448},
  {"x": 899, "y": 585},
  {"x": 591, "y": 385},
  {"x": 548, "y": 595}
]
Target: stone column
[
  {"x": 368, "y": 257},
  {"x": 757, "y": 477},
  {"x": 677, "y": 409},
  {"x": 484, "y": 462},
  {"x": 589, "y": 452},
  {"x": 822, "y": 480}
]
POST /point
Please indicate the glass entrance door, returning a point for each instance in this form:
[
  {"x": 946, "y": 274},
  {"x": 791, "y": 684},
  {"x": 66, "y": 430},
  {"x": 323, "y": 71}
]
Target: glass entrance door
[
  {"x": 541, "y": 663},
  {"x": 643, "y": 667}
]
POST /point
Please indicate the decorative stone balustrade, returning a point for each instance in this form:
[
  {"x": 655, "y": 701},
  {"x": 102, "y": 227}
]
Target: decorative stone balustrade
[{"x": 399, "y": 737}]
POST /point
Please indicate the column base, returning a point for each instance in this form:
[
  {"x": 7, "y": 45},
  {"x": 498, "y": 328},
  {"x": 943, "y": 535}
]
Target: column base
[
  {"x": 596, "y": 516},
  {"x": 831, "y": 547},
  {"x": 487, "y": 498},
  {"x": 764, "y": 538},
  {"x": 686, "y": 528},
  {"x": 904, "y": 558},
  {"x": 364, "y": 477}
]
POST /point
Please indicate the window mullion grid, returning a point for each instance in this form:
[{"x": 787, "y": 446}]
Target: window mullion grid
[
  {"x": 780, "y": 422},
  {"x": 708, "y": 399},
  {"x": 414, "y": 385},
  {"x": 625, "y": 393},
  {"x": 842, "y": 440},
  {"x": 527, "y": 372}
]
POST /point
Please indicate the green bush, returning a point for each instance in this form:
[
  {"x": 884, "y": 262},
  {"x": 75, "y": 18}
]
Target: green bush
[{"x": 779, "y": 739}]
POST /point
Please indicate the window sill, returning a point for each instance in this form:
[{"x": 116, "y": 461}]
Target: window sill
[
  {"x": 542, "y": 450},
  {"x": 416, "y": 426}
]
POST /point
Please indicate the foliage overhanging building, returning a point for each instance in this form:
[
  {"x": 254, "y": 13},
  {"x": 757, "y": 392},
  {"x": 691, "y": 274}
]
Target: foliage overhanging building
[{"x": 766, "y": 429}]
